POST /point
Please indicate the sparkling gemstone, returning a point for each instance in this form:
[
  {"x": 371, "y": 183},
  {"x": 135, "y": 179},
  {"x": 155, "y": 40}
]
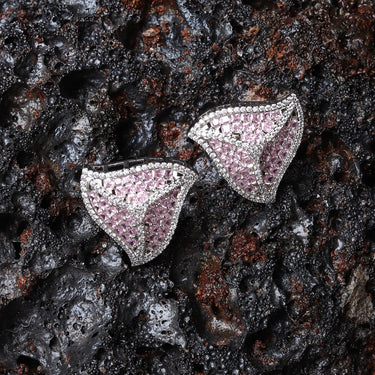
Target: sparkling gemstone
[
  {"x": 224, "y": 120},
  {"x": 215, "y": 123},
  {"x": 267, "y": 125},
  {"x": 238, "y": 167},
  {"x": 250, "y": 132},
  {"x": 138, "y": 208},
  {"x": 116, "y": 218},
  {"x": 158, "y": 215}
]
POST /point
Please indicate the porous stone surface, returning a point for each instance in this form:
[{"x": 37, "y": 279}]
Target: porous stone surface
[{"x": 243, "y": 288}]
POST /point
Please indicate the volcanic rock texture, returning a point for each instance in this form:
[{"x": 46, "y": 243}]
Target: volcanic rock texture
[{"x": 243, "y": 288}]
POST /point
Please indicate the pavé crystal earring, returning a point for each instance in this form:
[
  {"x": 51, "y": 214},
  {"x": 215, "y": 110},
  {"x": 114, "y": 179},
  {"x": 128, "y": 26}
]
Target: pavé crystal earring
[
  {"x": 252, "y": 145},
  {"x": 137, "y": 203}
]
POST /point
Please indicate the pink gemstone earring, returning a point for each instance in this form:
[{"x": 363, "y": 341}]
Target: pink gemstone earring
[
  {"x": 252, "y": 145},
  {"x": 137, "y": 203}
]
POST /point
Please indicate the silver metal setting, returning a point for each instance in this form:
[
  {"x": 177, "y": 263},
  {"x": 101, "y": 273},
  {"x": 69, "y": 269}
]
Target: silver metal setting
[
  {"x": 205, "y": 130},
  {"x": 182, "y": 178}
]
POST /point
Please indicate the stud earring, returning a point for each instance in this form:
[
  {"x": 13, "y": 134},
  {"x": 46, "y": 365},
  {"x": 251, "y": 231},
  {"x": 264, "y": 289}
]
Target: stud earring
[
  {"x": 252, "y": 145},
  {"x": 137, "y": 203}
]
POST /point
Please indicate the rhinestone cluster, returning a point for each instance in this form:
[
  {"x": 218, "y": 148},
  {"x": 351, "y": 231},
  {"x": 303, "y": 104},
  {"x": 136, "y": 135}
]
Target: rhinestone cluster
[
  {"x": 252, "y": 145},
  {"x": 138, "y": 206}
]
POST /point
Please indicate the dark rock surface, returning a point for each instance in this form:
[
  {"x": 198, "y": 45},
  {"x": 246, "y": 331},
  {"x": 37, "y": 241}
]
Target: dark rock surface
[{"x": 243, "y": 288}]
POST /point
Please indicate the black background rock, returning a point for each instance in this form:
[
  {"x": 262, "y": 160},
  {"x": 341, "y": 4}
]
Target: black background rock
[{"x": 243, "y": 288}]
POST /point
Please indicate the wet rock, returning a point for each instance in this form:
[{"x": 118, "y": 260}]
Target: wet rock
[
  {"x": 356, "y": 300},
  {"x": 82, "y": 6},
  {"x": 63, "y": 330},
  {"x": 8, "y": 283},
  {"x": 163, "y": 323}
]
